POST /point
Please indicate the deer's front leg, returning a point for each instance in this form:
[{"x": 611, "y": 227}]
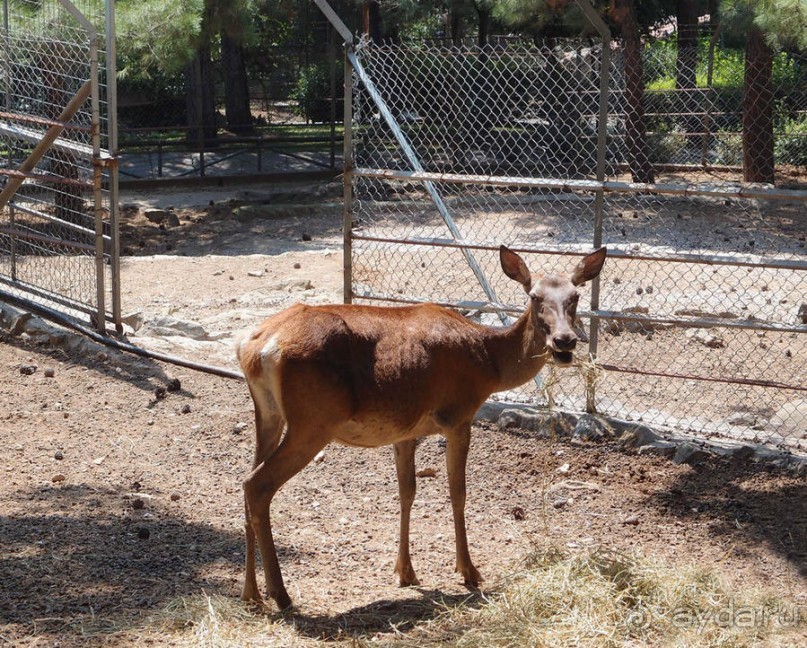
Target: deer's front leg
[
  {"x": 405, "y": 467},
  {"x": 457, "y": 444}
]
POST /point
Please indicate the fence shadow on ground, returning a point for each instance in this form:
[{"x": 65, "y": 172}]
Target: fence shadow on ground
[{"x": 748, "y": 503}]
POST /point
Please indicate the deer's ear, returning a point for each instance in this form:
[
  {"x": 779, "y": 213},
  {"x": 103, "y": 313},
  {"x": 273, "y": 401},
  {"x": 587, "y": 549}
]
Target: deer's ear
[
  {"x": 589, "y": 266},
  {"x": 515, "y": 268}
]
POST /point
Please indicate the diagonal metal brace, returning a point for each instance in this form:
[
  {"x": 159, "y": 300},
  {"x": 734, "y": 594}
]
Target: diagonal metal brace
[
  {"x": 414, "y": 162},
  {"x": 45, "y": 143}
]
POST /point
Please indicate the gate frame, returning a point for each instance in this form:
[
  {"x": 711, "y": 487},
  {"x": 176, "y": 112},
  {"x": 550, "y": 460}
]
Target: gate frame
[{"x": 100, "y": 161}]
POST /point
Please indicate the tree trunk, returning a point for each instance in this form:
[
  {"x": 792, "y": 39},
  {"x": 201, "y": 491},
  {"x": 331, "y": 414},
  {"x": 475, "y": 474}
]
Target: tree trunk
[
  {"x": 484, "y": 27},
  {"x": 199, "y": 100},
  {"x": 686, "y": 63},
  {"x": 758, "y": 163},
  {"x": 372, "y": 20},
  {"x": 624, "y": 14},
  {"x": 456, "y": 26},
  {"x": 687, "y": 54},
  {"x": 236, "y": 87}
]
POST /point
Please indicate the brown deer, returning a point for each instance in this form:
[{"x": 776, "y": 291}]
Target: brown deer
[{"x": 369, "y": 376}]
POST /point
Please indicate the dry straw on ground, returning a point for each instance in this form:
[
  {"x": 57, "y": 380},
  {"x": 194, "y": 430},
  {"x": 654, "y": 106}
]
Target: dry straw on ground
[{"x": 599, "y": 598}]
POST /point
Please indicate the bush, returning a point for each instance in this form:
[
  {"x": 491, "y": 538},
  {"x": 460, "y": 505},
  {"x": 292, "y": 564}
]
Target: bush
[
  {"x": 312, "y": 92},
  {"x": 791, "y": 142}
]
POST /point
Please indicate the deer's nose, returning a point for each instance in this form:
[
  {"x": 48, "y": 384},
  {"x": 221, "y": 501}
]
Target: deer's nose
[{"x": 564, "y": 341}]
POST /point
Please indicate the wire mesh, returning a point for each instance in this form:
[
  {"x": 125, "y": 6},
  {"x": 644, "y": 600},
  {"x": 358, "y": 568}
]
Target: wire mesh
[
  {"x": 702, "y": 315},
  {"x": 48, "y": 227}
]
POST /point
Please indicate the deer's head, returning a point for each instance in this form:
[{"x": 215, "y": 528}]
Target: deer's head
[{"x": 553, "y": 299}]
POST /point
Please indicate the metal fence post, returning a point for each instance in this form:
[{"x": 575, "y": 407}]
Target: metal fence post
[
  {"x": 347, "y": 178},
  {"x": 599, "y": 200},
  {"x": 112, "y": 169}
]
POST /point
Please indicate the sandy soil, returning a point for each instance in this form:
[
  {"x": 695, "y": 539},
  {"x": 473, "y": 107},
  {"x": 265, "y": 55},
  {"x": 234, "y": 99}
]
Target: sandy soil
[{"x": 118, "y": 497}]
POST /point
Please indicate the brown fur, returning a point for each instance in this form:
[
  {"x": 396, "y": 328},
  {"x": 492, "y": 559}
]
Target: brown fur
[{"x": 370, "y": 376}]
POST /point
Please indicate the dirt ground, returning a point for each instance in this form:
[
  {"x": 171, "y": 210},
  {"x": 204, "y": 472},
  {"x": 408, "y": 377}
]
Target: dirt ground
[{"x": 118, "y": 497}]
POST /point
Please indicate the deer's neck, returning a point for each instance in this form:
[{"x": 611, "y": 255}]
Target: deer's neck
[{"x": 519, "y": 352}]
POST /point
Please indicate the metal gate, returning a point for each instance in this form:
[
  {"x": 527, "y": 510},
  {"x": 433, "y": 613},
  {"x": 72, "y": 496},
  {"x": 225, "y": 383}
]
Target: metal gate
[
  {"x": 698, "y": 321},
  {"x": 58, "y": 218}
]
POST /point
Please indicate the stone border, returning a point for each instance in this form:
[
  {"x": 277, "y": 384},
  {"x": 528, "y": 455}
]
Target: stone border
[{"x": 682, "y": 449}]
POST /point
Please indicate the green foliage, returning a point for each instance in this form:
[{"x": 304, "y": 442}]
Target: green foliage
[
  {"x": 313, "y": 90},
  {"x": 784, "y": 22},
  {"x": 155, "y": 36},
  {"x": 728, "y": 69},
  {"x": 791, "y": 142}
]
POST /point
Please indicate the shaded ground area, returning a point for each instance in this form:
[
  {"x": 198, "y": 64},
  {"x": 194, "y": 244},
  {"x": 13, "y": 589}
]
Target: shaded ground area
[{"x": 114, "y": 503}]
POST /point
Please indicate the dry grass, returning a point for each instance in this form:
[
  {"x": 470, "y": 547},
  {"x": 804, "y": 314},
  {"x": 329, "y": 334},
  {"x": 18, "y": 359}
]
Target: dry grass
[
  {"x": 596, "y": 599},
  {"x": 607, "y": 599}
]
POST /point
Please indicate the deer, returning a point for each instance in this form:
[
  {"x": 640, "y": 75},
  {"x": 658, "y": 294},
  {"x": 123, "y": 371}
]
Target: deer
[{"x": 369, "y": 376}]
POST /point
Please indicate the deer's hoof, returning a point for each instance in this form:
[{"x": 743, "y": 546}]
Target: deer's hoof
[
  {"x": 471, "y": 576},
  {"x": 251, "y": 595},
  {"x": 407, "y": 577},
  {"x": 282, "y": 600}
]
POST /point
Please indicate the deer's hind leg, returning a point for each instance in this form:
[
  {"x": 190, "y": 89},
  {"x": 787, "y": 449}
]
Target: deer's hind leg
[
  {"x": 269, "y": 424},
  {"x": 296, "y": 450}
]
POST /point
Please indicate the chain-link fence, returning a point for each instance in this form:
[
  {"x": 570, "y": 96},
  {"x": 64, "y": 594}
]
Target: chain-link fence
[
  {"x": 699, "y": 319},
  {"x": 56, "y": 218}
]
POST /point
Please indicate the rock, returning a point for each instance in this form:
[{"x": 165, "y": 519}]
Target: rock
[
  {"x": 632, "y": 520},
  {"x": 560, "y": 502},
  {"x": 49, "y": 372},
  {"x": 58, "y": 455},
  {"x": 170, "y": 326},
  {"x": 518, "y": 513},
  {"x": 174, "y": 497},
  {"x": 186, "y": 409},
  {"x": 138, "y": 504},
  {"x": 687, "y": 453},
  {"x": 134, "y": 320},
  {"x": 155, "y": 215},
  {"x": 659, "y": 449},
  {"x": 58, "y": 478},
  {"x": 173, "y": 384},
  {"x": 239, "y": 427},
  {"x": 592, "y": 428},
  {"x": 427, "y": 472},
  {"x": 18, "y": 323},
  {"x": 637, "y": 436},
  {"x": 803, "y": 313},
  {"x": 306, "y": 236},
  {"x": 320, "y": 457},
  {"x": 172, "y": 220},
  {"x": 704, "y": 337},
  {"x": 791, "y": 419},
  {"x": 537, "y": 421},
  {"x": 255, "y": 273},
  {"x": 297, "y": 266},
  {"x": 564, "y": 468},
  {"x": 143, "y": 533},
  {"x": 28, "y": 370},
  {"x": 743, "y": 419},
  {"x": 159, "y": 393}
]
